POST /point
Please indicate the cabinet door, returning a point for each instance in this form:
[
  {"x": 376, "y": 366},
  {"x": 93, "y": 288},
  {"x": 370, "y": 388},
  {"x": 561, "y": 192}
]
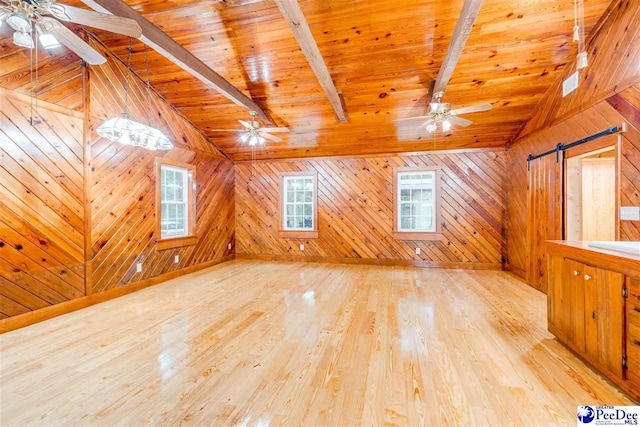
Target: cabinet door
[
  {"x": 604, "y": 318},
  {"x": 574, "y": 294},
  {"x": 565, "y": 298}
]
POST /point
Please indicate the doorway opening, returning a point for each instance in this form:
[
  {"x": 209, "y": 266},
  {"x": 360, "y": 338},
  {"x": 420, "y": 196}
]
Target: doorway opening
[{"x": 591, "y": 195}]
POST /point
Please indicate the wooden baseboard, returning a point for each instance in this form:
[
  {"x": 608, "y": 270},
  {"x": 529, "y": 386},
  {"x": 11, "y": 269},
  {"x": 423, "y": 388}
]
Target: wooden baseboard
[
  {"x": 374, "y": 261},
  {"x": 521, "y": 274},
  {"x": 25, "y": 319}
]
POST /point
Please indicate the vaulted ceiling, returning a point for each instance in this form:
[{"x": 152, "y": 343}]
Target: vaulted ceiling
[{"x": 382, "y": 56}]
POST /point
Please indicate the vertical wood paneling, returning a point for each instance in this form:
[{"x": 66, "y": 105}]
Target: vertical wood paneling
[{"x": 355, "y": 210}]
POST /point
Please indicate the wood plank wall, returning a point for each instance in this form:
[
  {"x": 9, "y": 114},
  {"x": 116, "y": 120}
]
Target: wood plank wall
[
  {"x": 608, "y": 95},
  {"x": 613, "y": 48},
  {"x": 123, "y": 186},
  {"x": 41, "y": 207},
  {"x": 59, "y": 78},
  {"x": 355, "y": 211},
  {"x": 523, "y": 234},
  {"x": 57, "y": 246}
]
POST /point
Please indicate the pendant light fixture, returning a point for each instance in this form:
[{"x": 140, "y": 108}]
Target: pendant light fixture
[{"x": 129, "y": 132}]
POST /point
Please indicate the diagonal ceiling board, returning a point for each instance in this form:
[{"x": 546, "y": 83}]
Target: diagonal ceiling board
[
  {"x": 174, "y": 52},
  {"x": 463, "y": 27},
  {"x": 291, "y": 11}
]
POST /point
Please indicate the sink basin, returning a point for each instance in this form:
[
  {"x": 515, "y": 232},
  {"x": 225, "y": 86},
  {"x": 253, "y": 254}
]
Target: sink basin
[{"x": 632, "y": 248}]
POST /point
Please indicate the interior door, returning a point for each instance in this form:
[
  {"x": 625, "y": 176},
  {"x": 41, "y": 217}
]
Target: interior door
[{"x": 545, "y": 214}]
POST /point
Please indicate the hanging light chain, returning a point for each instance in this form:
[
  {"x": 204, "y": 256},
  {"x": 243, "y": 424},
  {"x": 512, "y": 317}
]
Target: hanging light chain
[
  {"x": 127, "y": 84},
  {"x": 146, "y": 60}
]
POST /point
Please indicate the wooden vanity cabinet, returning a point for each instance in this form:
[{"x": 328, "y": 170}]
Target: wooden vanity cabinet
[
  {"x": 594, "y": 309},
  {"x": 586, "y": 311}
]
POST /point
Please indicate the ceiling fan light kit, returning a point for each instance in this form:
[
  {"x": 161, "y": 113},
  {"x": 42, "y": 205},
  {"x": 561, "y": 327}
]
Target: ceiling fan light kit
[{"x": 23, "y": 39}]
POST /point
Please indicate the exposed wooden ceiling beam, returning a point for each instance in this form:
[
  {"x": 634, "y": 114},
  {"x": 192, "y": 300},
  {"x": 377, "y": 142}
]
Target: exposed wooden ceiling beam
[
  {"x": 459, "y": 38},
  {"x": 174, "y": 52},
  {"x": 291, "y": 11}
]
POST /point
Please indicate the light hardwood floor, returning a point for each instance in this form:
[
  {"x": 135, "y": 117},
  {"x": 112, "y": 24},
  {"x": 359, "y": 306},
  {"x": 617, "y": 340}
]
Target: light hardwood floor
[{"x": 263, "y": 343}]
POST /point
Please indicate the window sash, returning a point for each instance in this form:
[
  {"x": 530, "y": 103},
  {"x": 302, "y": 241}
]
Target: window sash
[
  {"x": 417, "y": 203},
  {"x": 174, "y": 200},
  {"x": 298, "y": 206}
]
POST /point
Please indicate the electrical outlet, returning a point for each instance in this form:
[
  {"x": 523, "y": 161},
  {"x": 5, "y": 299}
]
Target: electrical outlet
[
  {"x": 301, "y": 247},
  {"x": 417, "y": 251},
  {"x": 176, "y": 259},
  {"x": 139, "y": 267},
  {"x": 229, "y": 246},
  {"x": 629, "y": 213}
]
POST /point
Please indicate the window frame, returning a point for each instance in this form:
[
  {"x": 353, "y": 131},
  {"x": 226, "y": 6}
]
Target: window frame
[
  {"x": 417, "y": 235},
  {"x": 297, "y": 234},
  {"x": 163, "y": 243}
]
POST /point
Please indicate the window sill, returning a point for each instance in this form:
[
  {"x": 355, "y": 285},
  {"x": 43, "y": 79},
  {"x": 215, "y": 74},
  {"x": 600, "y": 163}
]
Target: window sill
[
  {"x": 176, "y": 242},
  {"x": 296, "y": 234},
  {"x": 411, "y": 235}
]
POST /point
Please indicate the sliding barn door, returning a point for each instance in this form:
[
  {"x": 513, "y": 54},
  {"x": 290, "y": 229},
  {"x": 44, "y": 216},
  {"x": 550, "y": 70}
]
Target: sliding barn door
[{"x": 545, "y": 214}]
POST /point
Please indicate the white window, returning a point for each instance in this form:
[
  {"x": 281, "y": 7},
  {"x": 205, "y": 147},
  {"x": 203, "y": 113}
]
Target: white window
[
  {"x": 174, "y": 182},
  {"x": 416, "y": 201},
  {"x": 298, "y": 207},
  {"x": 175, "y": 204}
]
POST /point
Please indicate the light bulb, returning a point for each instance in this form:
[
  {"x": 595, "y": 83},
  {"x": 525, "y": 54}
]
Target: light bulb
[
  {"x": 431, "y": 128},
  {"x": 23, "y": 39},
  {"x": 446, "y": 125},
  {"x": 19, "y": 22},
  {"x": 261, "y": 140},
  {"x": 48, "y": 41}
]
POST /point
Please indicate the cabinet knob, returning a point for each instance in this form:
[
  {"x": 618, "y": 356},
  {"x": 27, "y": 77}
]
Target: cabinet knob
[
  {"x": 576, "y": 273},
  {"x": 587, "y": 277}
]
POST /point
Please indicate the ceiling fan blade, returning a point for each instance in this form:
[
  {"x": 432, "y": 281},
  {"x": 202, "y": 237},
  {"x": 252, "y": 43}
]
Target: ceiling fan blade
[
  {"x": 428, "y": 116},
  {"x": 471, "y": 109},
  {"x": 73, "y": 42},
  {"x": 226, "y": 130},
  {"x": 459, "y": 121},
  {"x": 246, "y": 124},
  {"x": 275, "y": 130},
  {"x": 102, "y": 21},
  {"x": 270, "y": 137}
]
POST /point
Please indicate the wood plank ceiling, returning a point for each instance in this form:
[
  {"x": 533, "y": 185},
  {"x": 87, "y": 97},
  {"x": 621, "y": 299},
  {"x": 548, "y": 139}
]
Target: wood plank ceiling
[{"x": 382, "y": 56}]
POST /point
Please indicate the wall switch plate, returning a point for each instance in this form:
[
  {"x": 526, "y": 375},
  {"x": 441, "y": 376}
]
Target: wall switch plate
[
  {"x": 301, "y": 247},
  {"x": 139, "y": 267},
  {"x": 176, "y": 259},
  {"x": 629, "y": 213},
  {"x": 229, "y": 246},
  {"x": 417, "y": 251},
  {"x": 570, "y": 84}
]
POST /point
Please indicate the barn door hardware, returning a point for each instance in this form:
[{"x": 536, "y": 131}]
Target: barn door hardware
[{"x": 563, "y": 147}]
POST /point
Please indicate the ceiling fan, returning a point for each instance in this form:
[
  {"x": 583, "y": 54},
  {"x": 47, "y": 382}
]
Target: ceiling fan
[
  {"x": 45, "y": 15},
  {"x": 441, "y": 113},
  {"x": 253, "y": 133}
]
